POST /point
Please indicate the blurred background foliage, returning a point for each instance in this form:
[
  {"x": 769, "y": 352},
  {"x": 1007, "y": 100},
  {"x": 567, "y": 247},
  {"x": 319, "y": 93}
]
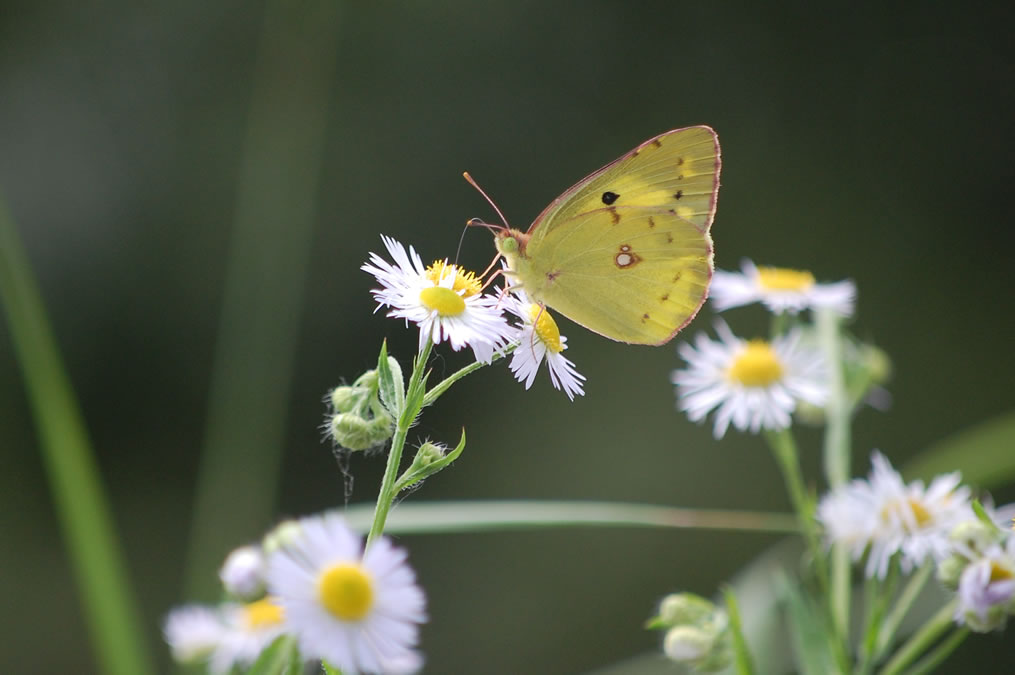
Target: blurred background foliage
[{"x": 145, "y": 149}]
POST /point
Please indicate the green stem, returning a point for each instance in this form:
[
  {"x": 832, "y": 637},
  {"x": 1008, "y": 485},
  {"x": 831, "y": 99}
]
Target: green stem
[
  {"x": 920, "y": 640},
  {"x": 937, "y": 656},
  {"x": 445, "y": 384},
  {"x": 901, "y": 608},
  {"x": 836, "y": 458},
  {"x": 837, "y": 408},
  {"x": 878, "y": 593},
  {"x": 784, "y": 448},
  {"x": 840, "y": 591},
  {"x": 413, "y": 404},
  {"x": 82, "y": 510}
]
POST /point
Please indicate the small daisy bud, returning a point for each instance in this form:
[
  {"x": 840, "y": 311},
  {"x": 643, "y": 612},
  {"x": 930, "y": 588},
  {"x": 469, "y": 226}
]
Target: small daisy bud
[
  {"x": 242, "y": 573},
  {"x": 281, "y": 536},
  {"x": 703, "y": 649},
  {"x": 428, "y": 453},
  {"x": 975, "y": 536},
  {"x": 381, "y": 427},
  {"x": 352, "y": 431},
  {"x": 686, "y": 644},
  {"x": 949, "y": 571},
  {"x": 877, "y": 363},
  {"x": 345, "y": 399},
  {"x": 685, "y": 608}
]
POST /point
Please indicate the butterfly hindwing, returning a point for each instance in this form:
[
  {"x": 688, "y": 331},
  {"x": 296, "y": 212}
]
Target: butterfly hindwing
[{"x": 633, "y": 274}]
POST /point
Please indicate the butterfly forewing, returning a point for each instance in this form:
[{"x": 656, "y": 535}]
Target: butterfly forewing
[{"x": 677, "y": 170}]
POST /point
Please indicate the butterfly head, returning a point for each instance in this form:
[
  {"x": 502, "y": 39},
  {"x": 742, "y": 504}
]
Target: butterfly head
[{"x": 510, "y": 243}]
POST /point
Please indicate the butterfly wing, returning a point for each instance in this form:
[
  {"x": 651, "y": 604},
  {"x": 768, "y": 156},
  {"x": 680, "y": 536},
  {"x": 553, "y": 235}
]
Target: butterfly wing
[
  {"x": 676, "y": 170},
  {"x": 626, "y": 252},
  {"x": 632, "y": 274}
]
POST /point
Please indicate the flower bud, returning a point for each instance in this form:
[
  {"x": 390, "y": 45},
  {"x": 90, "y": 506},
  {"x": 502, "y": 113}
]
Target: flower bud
[
  {"x": 281, "y": 536},
  {"x": 345, "y": 399},
  {"x": 703, "y": 649},
  {"x": 352, "y": 431},
  {"x": 950, "y": 569},
  {"x": 428, "y": 453},
  {"x": 242, "y": 573},
  {"x": 685, "y": 608}
]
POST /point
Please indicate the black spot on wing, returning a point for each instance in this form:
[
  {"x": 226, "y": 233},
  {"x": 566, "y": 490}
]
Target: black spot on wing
[{"x": 610, "y": 197}]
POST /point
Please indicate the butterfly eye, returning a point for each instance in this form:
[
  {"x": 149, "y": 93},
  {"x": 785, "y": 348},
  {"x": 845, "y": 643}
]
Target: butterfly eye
[{"x": 610, "y": 197}]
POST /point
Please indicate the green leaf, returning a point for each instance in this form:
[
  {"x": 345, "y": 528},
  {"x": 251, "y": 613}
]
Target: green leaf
[
  {"x": 808, "y": 631},
  {"x": 76, "y": 486},
  {"x": 744, "y": 662},
  {"x": 416, "y": 473},
  {"x": 495, "y": 516},
  {"x": 390, "y": 382},
  {"x": 280, "y": 658},
  {"x": 982, "y": 452}
]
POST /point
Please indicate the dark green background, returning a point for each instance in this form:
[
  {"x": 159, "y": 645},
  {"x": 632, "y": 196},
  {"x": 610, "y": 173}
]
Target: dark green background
[{"x": 864, "y": 143}]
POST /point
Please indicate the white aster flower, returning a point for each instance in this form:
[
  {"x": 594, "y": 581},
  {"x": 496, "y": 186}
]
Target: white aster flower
[
  {"x": 444, "y": 300},
  {"x": 780, "y": 289},
  {"x": 359, "y": 612},
  {"x": 226, "y": 636},
  {"x": 884, "y": 516},
  {"x": 986, "y": 592},
  {"x": 754, "y": 384},
  {"x": 539, "y": 339}
]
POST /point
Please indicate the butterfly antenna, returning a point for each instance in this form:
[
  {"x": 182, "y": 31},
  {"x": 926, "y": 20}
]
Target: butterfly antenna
[
  {"x": 487, "y": 198},
  {"x": 461, "y": 239}
]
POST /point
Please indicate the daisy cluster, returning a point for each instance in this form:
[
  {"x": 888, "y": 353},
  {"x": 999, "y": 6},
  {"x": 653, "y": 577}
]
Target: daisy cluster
[
  {"x": 758, "y": 384},
  {"x": 359, "y": 611},
  {"x": 887, "y": 519},
  {"x": 448, "y": 305}
]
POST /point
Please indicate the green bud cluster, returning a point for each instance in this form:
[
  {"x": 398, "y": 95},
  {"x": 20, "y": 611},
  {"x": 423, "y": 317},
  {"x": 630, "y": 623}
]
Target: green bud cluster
[
  {"x": 697, "y": 632},
  {"x": 358, "y": 418}
]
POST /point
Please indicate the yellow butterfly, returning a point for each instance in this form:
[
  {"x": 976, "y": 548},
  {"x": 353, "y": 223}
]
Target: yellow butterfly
[{"x": 626, "y": 251}]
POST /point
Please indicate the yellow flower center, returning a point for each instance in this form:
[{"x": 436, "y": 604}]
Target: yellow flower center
[
  {"x": 346, "y": 591},
  {"x": 920, "y": 513},
  {"x": 546, "y": 328},
  {"x": 443, "y": 300},
  {"x": 464, "y": 279},
  {"x": 756, "y": 366},
  {"x": 264, "y": 613},
  {"x": 782, "y": 279},
  {"x": 998, "y": 573}
]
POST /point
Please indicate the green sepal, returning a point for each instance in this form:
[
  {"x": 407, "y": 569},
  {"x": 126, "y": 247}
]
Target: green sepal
[
  {"x": 419, "y": 470},
  {"x": 984, "y": 517},
  {"x": 390, "y": 382},
  {"x": 280, "y": 658},
  {"x": 330, "y": 669}
]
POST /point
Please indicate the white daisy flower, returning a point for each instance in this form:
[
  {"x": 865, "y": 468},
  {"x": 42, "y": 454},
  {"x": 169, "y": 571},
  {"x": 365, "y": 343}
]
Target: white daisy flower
[
  {"x": 753, "y": 384},
  {"x": 884, "y": 517},
  {"x": 539, "y": 339},
  {"x": 780, "y": 289},
  {"x": 193, "y": 632},
  {"x": 226, "y": 636},
  {"x": 444, "y": 300},
  {"x": 986, "y": 590},
  {"x": 359, "y": 612}
]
